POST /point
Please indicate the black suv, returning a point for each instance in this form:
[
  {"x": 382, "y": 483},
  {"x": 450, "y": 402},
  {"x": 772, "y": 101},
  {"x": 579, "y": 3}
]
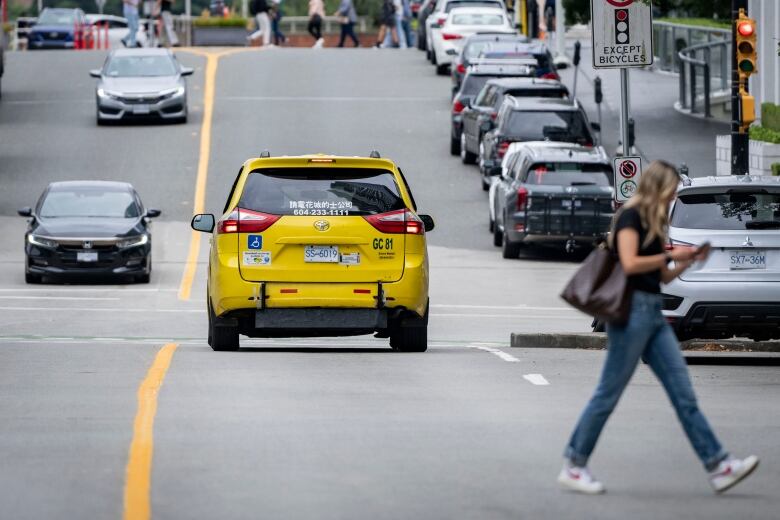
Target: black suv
[
  {"x": 532, "y": 119},
  {"x": 476, "y": 77},
  {"x": 478, "y": 116}
]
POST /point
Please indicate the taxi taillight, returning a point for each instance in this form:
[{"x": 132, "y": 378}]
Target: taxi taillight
[
  {"x": 401, "y": 221},
  {"x": 246, "y": 221}
]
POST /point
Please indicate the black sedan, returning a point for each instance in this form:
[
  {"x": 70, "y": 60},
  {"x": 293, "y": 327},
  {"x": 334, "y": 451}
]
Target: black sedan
[{"x": 88, "y": 228}]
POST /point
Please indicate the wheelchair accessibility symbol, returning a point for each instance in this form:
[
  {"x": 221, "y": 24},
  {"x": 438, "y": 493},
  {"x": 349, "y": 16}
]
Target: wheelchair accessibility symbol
[{"x": 255, "y": 242}]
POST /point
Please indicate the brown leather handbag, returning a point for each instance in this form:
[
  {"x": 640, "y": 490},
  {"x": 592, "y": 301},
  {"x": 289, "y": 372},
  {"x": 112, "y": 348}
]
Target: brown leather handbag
[{"x": 600, "y": 288}]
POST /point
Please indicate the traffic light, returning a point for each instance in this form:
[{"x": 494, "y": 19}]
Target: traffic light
[
  {"x": 746, "y": 46},
  {"x": 747, "y": 110}
]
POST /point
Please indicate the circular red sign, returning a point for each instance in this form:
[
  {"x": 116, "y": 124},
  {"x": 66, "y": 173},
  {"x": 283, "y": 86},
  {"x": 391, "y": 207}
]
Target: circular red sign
[
  {"x": 621, "y": 15},
  {"x": 620, "y": 3},
  {"x": 628, "y": 169}
]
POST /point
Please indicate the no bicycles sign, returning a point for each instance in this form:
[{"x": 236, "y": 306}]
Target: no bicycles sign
[
  {"x": 627, "y": 173},
  {"x": 622, "y": 33}
]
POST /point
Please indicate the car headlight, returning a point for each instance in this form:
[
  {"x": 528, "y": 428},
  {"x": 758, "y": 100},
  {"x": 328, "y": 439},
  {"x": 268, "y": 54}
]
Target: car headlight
[
  {"x": 133, "y": 242},
  {"x": 172, "y": 92},
  {"x": 42, "y": 242},
  {"x": 106, "y": 94}
]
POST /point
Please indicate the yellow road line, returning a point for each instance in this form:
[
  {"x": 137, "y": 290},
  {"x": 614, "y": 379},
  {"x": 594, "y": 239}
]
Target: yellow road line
[
  {"x": 139, "y": 463},
  {"x": 212, "y": 61}
]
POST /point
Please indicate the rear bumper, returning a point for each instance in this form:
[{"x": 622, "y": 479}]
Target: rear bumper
[{"x": 724, "y": 309}]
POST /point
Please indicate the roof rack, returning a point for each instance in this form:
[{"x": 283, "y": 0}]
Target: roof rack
[
  {"x": 265, "y": 154},
  {"x": 374, "y": 154}
]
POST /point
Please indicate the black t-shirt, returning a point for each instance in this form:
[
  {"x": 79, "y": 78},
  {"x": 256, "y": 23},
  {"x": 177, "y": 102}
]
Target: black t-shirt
[
  {"x": 646, "y": 282},
  {"x": 166, "y": 5}
]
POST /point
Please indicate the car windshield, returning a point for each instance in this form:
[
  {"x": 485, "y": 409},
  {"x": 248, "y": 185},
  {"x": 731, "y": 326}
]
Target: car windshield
[
  {"x": 570, "y": 174},
  {"x": 320, "y": 192},
  {"x": 511, "y": 52},
  {"x": 477, "y": 19},
  {"x": 730, "y": 211},
  {"x": 566, "y": 126},
  {"x": 452, "y": 5},
  {"x": 57, "y": 17},
  {"x": 143, "y": 66},
  {"x": 89, "y": 202}
]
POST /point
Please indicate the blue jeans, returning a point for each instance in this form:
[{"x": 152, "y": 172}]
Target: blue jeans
[
  {"x": 132, "y": 25},
  {"x": 646, "y": 335}
]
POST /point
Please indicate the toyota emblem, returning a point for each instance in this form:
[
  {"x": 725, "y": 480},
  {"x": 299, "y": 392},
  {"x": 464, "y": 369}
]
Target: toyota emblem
[{"x": 322, "y": 225}]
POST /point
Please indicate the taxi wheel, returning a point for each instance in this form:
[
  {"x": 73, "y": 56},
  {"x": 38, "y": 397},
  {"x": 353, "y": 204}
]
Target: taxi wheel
[
  {"x": 409, "y": 339},
  {"x": 220, "y": 338}
]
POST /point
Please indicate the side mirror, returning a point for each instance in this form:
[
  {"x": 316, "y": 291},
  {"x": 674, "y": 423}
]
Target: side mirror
[
  {"x": 151, "y": 213},
  {"x": 428, "y": 222},
  {"x": 203, "y": 222},
  {"x": 596, "y": 127},
  {"x": 25, "y": 212},
  {"x": 95, "y": 73},
  {"x": 486, "y": 126},
  {"x": 186, "y": 71}
]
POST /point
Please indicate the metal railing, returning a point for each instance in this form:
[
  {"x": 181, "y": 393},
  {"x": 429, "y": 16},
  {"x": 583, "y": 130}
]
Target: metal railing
[
  {"x": 671, "y": 38},
  {"x": 690, "y": 61}
]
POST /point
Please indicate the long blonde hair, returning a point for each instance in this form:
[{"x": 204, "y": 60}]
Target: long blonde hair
[{"x": 657, "y": 185}]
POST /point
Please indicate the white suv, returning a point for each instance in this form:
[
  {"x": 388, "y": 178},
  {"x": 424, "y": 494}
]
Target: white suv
[{"x": 736, "y": 291}]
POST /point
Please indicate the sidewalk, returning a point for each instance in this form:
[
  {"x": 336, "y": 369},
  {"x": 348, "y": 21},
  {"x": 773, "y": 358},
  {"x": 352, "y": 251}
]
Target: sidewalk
[{"x": 661, "y": 131}]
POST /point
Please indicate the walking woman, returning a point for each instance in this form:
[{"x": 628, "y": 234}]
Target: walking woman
[
  {"x": 638, "y": 236},
  {"x": 316, "y": 14},
  {"x": 347, "y": 17}
]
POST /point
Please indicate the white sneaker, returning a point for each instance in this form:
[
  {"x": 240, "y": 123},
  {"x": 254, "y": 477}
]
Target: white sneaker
[
  {"x": 731, "y": 471},
  {"x": 579, "y": 479},
  {"x": 319, "y": 43}
]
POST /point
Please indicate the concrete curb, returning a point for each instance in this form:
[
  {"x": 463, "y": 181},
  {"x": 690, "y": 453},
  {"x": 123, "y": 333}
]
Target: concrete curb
[{"x": 598, "y": 341}]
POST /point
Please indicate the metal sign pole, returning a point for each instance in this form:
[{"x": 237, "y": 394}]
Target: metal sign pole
[{"x": 624, "y": 111}]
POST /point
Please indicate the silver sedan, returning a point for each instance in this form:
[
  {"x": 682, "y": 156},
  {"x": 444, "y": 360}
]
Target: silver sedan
[{"x": 141, "y": 84}]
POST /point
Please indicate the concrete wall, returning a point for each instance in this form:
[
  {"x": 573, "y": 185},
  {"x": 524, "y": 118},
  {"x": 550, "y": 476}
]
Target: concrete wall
[{"x": 765, "y": 85}]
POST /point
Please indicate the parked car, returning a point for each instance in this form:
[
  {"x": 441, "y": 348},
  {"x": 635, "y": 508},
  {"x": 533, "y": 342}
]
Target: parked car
[
  {"x": 436, "y": 19},
  {"x": 461, "y": 23},
  {"x": 472, "y": 48},
  {"x": 532, "y": 119},
  {"x": 736, "y": 290},
  {"x": 88, "y": 228},
  {"x": 545, "y": 68},
  {"x": 55, "y": 29},
  {"x": 552, "y": 193},
  {"x": 422, "y": 15},
  {"x": 2, "y": 61},
  {"x": 141, "y": 83},
  {"x": 478, "y": 116},
  {"x": 476, "y": 77},
  {"x": 117, "y": 30}
]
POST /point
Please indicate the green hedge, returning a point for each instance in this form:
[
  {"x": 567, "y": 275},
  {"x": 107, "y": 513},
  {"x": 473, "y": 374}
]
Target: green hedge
[
  {"x": 770, "y": 116},
  {"x": 214, "y": 21},
  {"x": 761, "y": 133},
  {"x": 776, "y": 169}
]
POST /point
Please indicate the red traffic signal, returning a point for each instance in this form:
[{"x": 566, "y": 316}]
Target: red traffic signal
[{"x": 745, "y": 29}]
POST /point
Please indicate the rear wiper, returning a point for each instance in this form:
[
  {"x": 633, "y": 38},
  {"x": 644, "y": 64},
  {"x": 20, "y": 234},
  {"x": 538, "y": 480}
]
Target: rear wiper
[
  {"x": 583, "y": 183},
  {"x": 763, "y": 224}
]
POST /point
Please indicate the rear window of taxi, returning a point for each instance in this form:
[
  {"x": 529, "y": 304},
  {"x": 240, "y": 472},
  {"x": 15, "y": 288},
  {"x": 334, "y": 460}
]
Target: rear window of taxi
[{"x": 321, "y": 192}]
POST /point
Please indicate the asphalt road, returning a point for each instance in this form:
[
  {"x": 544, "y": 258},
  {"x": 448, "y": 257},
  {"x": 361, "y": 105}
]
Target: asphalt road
[{"x": 316, "y": 428}]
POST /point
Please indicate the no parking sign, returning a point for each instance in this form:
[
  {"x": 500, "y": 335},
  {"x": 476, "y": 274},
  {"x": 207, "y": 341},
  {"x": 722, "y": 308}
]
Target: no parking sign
[{"x": 627, "y": 173}]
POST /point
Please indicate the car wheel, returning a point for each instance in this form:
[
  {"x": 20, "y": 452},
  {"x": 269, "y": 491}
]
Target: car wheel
[
  {"x": 598, "y": 326},
  {"x": 429, "y": 55},
  {"x": 509, "y": 249},
  {"x": 221, "y": 338},
  {"x": 455, "y": 144},
  {"x": 498, "y": 236},
  {"x": 143, "y": 278},
  {"x": 410, "y": 337},
  {"x": 442, "y": 70},
  {"x": 492, "y": 225},
  {"x": 32, "y": 278},
  {"x": 465, "y": 156}
]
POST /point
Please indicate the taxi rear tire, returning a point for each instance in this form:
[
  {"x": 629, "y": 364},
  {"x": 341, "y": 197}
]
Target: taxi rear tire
[
  {"x": 221, "y": 338},
  {"x": 409, "y": 338}
]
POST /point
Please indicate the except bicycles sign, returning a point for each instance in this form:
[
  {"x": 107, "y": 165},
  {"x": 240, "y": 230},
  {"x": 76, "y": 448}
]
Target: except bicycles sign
[
  {"x": 622, "y": 33},
  {"x": 627, "y": 173}
]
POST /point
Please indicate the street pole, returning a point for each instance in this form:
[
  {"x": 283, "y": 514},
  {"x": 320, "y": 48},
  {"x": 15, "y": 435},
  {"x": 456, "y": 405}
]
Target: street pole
[
  {"x": 624, "y": 111},
  {"x": 740, "y": 160},
  {"x": 560, "y": 28}
]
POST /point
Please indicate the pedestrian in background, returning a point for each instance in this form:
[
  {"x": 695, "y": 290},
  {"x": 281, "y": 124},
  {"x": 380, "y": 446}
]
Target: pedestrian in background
[
  {"x": 347, "y": 18},
  {"x": 637, "y": 238},
  {"x": 387, "y": 23},
  {"x": 165, "y": 23},
  {"x": 130, "y": 11},
  {"x": 406, "y": 22},
  {"x": 316, "y": 14},
  {"x": 259, "y": 10},
  {"x": 276, "y": 18}
]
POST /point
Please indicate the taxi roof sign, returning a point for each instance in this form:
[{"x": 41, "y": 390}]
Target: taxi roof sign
[{"x": 622, "y": 33}]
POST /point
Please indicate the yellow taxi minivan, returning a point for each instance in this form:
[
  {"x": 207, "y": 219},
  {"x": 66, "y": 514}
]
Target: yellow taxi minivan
[{"x": 318, "y": 245}]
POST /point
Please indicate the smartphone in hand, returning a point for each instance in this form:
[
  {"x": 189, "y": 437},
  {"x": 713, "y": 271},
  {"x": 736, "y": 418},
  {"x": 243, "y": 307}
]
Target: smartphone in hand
[{"x": 703, "y": 251}]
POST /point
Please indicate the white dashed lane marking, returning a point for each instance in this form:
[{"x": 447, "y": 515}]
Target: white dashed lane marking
[{"x": 534, "y": 379}]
